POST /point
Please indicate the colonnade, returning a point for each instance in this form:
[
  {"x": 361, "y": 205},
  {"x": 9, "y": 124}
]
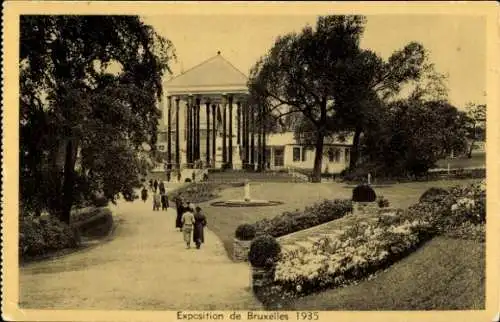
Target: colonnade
[{"x": 249, "y": 124}]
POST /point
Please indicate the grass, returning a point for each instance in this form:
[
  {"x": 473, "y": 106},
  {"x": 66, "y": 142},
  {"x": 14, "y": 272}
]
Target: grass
[
  {"x": 477, "y": 160},
  {"x": 444, "y": 274},
  {"x": 224, "y": 221}
]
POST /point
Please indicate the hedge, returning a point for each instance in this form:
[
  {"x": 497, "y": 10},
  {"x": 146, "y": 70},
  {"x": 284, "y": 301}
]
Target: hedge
[{"x": 317, "y": 214}]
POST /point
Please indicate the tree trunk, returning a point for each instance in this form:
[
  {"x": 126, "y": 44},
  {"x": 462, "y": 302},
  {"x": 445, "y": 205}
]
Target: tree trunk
[
  {"x": 318, "y": 158},
  {"x": 469, "y": 154},
  {"x": 355, "y": 149},
  {"x": 69, "y": 181}
]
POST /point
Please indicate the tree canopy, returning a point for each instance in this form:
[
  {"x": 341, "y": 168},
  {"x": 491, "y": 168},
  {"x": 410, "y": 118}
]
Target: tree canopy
[
  {"x": 323, "y": 75},
  {"x": 89, "y": 88}
]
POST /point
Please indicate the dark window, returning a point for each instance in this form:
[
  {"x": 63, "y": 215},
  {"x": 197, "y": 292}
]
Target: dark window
[{"x": 296, "y": 154}]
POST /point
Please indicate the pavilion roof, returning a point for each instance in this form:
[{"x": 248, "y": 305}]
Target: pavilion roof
[{"x": 214, "y": 75}]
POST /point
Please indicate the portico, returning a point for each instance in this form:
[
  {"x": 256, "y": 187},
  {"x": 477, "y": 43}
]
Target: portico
[{"x": 207, "y": 119}]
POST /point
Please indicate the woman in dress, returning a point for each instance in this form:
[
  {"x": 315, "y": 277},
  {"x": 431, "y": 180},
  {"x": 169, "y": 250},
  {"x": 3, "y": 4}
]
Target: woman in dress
[
  {"x": 144, "y": 194},
  {"x": 187, "y": 225},
  {"x": 200, "y": 221}
]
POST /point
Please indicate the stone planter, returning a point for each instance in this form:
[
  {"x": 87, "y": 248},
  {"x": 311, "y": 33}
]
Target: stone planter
[
  {"x": 363, "y": 208},
  {"x": 241, "y": 249},
  {"x": 262, "y": 276}
]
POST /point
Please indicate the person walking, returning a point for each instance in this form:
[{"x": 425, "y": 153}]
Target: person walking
[
  {"x": 180, "y": 208},
  {"x": 164, "y": 200},
  {"x": 200, "y": 221},
  {"x": 161, "y": 186},
  {"x": 151, "y": 184},
  {"x": 156, "y": 201},
  {"x": 144, "y": 194},
  {"x": 155, "y": 185},
  {"x": 187, "y": 225}
]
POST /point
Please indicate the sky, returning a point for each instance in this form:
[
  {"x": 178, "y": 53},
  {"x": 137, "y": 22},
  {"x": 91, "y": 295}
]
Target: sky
[{"x": 456, "y": 43}]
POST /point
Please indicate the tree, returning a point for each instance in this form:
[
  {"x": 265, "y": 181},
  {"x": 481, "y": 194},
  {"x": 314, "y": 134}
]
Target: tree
[
  {"x": 476, "y": 125},
  {"x": 82, "y": 125},
  {"x": 324, "y": 75},
  {"x": 412, "y": 136}
]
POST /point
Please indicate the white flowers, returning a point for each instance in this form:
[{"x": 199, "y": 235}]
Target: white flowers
[{"x": 329, "y": 258}]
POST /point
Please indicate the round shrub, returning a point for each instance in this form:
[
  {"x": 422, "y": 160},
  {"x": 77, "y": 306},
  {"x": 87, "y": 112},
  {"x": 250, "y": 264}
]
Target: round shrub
[
  {"x": 433, "y": 194},
  {"x": 187, "y": 180},
  {"x": 363, "y": 193},
  {"x": 245, "y": 232},
  {"x": 264, "y": 251}
]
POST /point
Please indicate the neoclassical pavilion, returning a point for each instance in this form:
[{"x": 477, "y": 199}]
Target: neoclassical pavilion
[{"x": 207, "y": 119}]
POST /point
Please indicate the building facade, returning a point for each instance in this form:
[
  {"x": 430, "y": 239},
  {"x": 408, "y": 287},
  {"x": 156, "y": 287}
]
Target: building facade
[{"x": 207, "y": 122}]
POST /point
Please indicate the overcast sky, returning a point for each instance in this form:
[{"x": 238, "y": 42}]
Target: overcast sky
[{"x": 457, "y": 44}]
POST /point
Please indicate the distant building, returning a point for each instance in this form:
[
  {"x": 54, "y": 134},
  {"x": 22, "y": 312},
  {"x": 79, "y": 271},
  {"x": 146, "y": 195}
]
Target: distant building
[{"x": 283, "y": 151}]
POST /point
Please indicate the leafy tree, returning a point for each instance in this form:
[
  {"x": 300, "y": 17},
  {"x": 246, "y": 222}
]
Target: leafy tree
[
  {"x": 323, "y": 75},
  {"x": 476, "y": 125},
  {"x": 412, "y": 136},
  {"x": 83, "y": 124}
]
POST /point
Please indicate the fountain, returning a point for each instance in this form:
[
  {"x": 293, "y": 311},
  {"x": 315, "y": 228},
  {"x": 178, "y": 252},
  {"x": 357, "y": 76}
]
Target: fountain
[{"x": 247, "y": 201}]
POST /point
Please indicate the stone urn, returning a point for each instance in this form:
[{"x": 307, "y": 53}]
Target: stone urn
[{"x": 364, "y": 200}]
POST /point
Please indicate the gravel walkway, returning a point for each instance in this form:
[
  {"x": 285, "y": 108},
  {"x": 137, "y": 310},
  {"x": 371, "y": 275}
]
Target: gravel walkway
[{"x": 144, "y": 267}]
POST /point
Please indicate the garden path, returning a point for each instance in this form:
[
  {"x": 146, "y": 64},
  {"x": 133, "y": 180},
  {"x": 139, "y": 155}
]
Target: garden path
[{"x": 144, "y": 267}]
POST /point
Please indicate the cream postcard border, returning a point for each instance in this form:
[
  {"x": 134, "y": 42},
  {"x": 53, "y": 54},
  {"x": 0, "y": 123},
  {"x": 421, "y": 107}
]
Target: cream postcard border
[{"x": 10, "y": 139}]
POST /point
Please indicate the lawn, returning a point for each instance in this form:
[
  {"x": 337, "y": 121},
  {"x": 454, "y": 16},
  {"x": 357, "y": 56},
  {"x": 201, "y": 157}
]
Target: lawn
[
  {"x": 477, "y": 160},
  {"x": 444, "y": 274},
  {"x": 224, "y": 221}
]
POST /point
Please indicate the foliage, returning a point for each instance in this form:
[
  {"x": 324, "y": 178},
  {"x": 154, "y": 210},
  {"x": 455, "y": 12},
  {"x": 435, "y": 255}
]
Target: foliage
[
  {"x": 44, "y": 235},
  {"x": 197, "y": 192},
  {"x": 433, "y": 195},
  {"x": 383, "y": 202},
  {"x": 88, "y": 98},
  {"x": 264, "y": 251},
  {"x": 463, "y": 207},
  {"x": 98, "y": 222},
  {"x": 245, "y": 232},
  {"x": 411, "y": 136},
  {"x": 323, "y": 75},
  {"x": 317, "y": 214},
  {"x": 476, "y": 124},
  {"x": 363, "y": 193}
]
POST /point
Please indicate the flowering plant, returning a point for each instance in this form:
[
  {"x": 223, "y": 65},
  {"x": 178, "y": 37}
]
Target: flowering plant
[{"x": 340, "y": 259}]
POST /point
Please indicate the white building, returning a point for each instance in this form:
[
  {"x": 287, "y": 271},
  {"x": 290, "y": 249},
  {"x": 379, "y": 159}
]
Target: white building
[{"x": 210, "y": 100}]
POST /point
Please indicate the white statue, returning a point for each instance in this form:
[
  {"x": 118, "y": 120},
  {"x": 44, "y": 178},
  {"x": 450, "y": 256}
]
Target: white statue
[
  {"x": 369, "y": 178},
  {"x": 247, "y": 190}
]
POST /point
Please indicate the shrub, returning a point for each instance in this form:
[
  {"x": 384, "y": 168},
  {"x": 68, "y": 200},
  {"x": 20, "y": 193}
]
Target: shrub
[
  {"x": 197, "y": 192},
  {"x": 245, "y": 232},
  {"x": 264, "y": 251},
  {"x": 98, "y": 225},
  {"x": 363, "y": 193},
  {"x": 40, "y": 236},
  {"x": 383, "y": 202},
  {"x": 100, "y": 201},
  {"x": 317, "y": 214},
  {"x": 433, "y": 194},
  {"x": 187, "y": 180}
]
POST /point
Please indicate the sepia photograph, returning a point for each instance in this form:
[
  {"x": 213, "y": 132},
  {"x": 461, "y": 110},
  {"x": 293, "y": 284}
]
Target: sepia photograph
[{"x": 239, "y": 161}]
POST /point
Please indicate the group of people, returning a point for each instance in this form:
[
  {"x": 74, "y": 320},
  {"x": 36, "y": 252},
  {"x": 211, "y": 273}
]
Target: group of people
[
  {"x": 160, "y": 197},
  {"x": 191, "y": 221}
]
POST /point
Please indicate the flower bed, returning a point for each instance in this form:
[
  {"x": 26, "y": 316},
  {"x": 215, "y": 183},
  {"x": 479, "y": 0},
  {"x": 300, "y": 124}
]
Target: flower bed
[
  {"x": 360, "y": 250},
  {"x": 314, "y": 215},
  {"x": 364, "y": 248}
]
